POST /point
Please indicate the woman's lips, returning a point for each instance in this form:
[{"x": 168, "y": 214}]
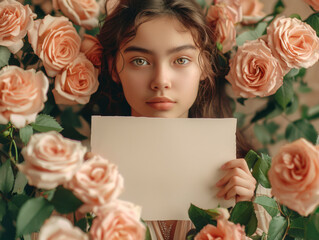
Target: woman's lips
[{"x": 161, "y": 103}]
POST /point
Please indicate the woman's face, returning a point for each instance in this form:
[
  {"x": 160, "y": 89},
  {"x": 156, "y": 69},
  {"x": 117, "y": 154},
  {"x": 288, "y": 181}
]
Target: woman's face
[{"x": 159, "y": 69}]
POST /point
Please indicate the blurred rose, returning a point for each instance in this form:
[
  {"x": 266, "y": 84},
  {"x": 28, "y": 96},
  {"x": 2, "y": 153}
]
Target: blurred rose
[
  {"x": 120, "y": 222},
  {"x": 225, "y": 230},
  {"x": 22, "y": 95},
  {"x": 50, "y": 159},
  {"x": 293, "y": 42},
  {"x": 220, "y": 21},
  {"x": 58, "y": 228},
  {"x": 254, "y": 71},
  {"x": 313, "y": 3},
  {"x": 294, "y": 176},
  {"x": 110, "y": 5},
  {"x": 81, "y": 12},
  {"x": 92, "y": 49},
  {"x": 76, "y": 83},
  {"x": 234, "y": 8},
  {"x": 56, "y": 42},
  {"x": 15, "y": 21},
  {"x": 96, "y": 183},
  {"x": 252, "y": 11}
]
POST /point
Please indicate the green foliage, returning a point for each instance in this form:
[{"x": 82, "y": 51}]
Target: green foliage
[
  {"x": 285, "y": 93},
  {"x": 20, "y": 183},
  {"x": 25, "y": 134},
  {"x": 6, "y": 177},
  {"x": 252, "y": 34},
  {"x": 269, "y": 204},
  {"x": 313, "y": 21},
  {"x": 46, "y": 123},
  {"x": 199, "y": 217},
  {"x": 301, "y": 128},
  {"x": 64, "y": 201},
  {"x": 277, "y": 228},
  {"x": 4, "y": 56}
]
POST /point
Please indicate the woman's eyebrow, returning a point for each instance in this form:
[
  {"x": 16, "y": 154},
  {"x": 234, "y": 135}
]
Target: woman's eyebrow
[{"x": 170, "y": 51}]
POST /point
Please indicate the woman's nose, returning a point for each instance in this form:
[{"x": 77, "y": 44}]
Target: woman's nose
[{"x": 161, "y": 79}]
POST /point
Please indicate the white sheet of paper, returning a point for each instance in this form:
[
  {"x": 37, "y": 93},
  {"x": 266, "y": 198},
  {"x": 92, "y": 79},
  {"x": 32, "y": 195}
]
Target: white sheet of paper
[{"x": 167, "y": 164}]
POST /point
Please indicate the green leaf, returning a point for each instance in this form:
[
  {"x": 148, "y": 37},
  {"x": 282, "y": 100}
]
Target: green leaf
[
  {"x": 284, "y": 94},
  {"x": 82, "y": 224},
  {"x": 312, "y": 227},
  {"x": 25, "y": 134},
  {"x": 16, "y": 203},
  {"x": 30, "y": 59},
  {"x": 251, "y": 158},
  {"x": 260, "y": 172},
  {"x": 71, "y": 132},
  {"x": 293, "y": 105},
  {"x": 3, "y": 208},
  {"x": 64, "y": 201},
  {"x": 200, "y": 217},
  {"x": 244, "y": 214},
  {"x": 70, "y": 118},
  {"x": 271, "y": 127},
  {"x": 32, "y": 215},
  {"x": 240, "y": 119},
  {"x": 20, "y": 182},
  {"x": 279, "y": 7},
  {"x": 4, "y": 56},
  {"x": 262, "y": 134},
  {"x": 297, "y": 227},
  {"x": 312, "y": 112},
  {"x": 269, "y": 204},
  {"x": 251, "y": 34},
  {"x": 295, "y": 15},
  {"x": 46, "y": 123},
  {"x": 313, "y": 21},
  {"x": 6, "y": 177},
  {"x": 277, "y": 228},
  {"x": 301, "y": 128}
]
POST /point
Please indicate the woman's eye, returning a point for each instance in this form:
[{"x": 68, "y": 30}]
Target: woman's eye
[
  {"x": 182, "y": 61},
  {"x": 139, "y": 62}
]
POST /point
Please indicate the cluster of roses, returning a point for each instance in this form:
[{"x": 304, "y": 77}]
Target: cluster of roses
[
  {"x": 51, "y": 160},
  {"x": 72, "y": 61},
  {"x": 259, "y": 66}
]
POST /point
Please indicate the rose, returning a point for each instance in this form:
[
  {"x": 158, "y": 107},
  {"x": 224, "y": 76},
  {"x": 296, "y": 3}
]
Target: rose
[
  {"x": 76, "y": 83},
  {"x": 313, "y": 3},
  {"x": 119, "y": 222},
  {"x": 56, "y": 42},
  {"x": 83, "y": 13},
  {"x": 293, "y": 42},
  {"x": 234, "y": 8},
  {"x": 57, "y": 228},
  {"x": 15, "y": 21},
  {"x": 224, "y": 230},
  {"x": 254, "y": 71},
  {"x": 252, "y": 11},
  {"x": 22, "y": 95},
  {"x": 96, "y": 183},
  {"x": 109, "y": 7},
  {"x": 92, "y": 49},
  {"x": 294, "y": 176},
  {"x": 220, "y": 20},
  {"x": 50, "y": 159}
]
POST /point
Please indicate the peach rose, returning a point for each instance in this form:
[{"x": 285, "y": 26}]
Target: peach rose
[
  {"x": 96, "y": 183},
  {"x": 313, "y": 3},
  {"x": 56, "y": 42},
  {"x": 76, "y": 83},
  {"x": 219, "y": 19},
  {"x": 15, "y": 21},
  {"x": 293, "y": 42},
  {"x": 83, "y": 13},
  {"x": 110, "y": 6},
  {"x": 294, "y": 176},
  {"x": 92, "y": 49},
  {"x": 252, "y": 11},
  {"x": 22, "y": 95},
  {"x": 254, "y": 71},
  {"x": 121, "y": 222},
  {"x": 224, "y": 230},
  {"x": 50, "y": 159},
  {"x": 58, "y": 228},
  {"x": 234, "y": 8}
]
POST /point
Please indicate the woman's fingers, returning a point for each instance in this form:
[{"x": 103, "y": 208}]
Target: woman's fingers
[{"x": 236, "y": 163}]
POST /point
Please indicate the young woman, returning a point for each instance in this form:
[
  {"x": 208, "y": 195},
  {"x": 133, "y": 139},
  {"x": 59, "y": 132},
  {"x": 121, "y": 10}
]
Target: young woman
[{"x": 159, "y": 61}]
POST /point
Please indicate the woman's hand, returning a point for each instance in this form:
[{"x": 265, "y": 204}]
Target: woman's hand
[{"x": 238, "y": 181}]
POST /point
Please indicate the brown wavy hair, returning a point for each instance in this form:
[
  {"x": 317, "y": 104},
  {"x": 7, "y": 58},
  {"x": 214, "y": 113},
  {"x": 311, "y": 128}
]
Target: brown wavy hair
[{"x": 121, "y": 26}]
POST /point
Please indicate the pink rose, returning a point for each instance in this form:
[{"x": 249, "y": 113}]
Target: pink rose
[
  {"x": 254, "y": 71},
  {"x": 313, "y": 3},
  {"x": 224, "y": 230},
  {"x": 92, "y": 49},
  {"x": 50, "y": 159},
  {"x": 58, "y": 228},
  {"x": 293, "y": 42},
  {"x": 252, "y": 11},
  {"x": 96, "y": 183},
  {"x": 294, "y": 176},
  {"x": 120, "y": 222},
  {"x": 234, "y": 8},
  {"x": 219, "y": 19},
  {"x": 15, "y": 21},
  {"x": 56, "y": 42},
  {"x": 76, "y": 83},
  {"x": 83, "y": 13},
  {"x": 22, "y": 95}
]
